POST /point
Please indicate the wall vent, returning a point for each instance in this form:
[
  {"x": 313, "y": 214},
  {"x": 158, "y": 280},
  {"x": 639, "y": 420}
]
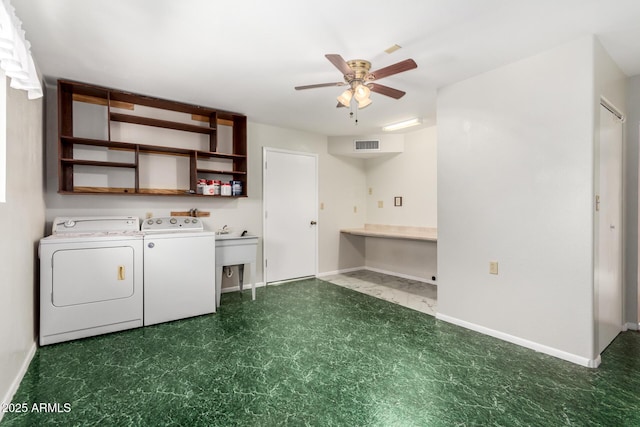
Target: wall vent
[{"x": 366, "y": 145}]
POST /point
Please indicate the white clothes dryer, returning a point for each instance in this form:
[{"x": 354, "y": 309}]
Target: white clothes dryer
[
  {"x": 90, "y": 278},
  {"x": 179, "y": 269}
]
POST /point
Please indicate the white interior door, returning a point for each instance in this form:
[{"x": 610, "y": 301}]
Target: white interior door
[
  {"x": 290, "y": 191},
  {"x": 609, "y": 222}
]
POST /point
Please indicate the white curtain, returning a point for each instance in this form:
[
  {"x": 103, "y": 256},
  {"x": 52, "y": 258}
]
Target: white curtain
[{"x": 15, "y": 53}]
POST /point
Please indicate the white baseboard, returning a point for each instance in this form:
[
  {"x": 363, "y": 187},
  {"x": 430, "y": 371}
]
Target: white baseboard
[
  {"x": 245, "y": 287},
  {"x": 579, "y": 360},
  {"x": 377, "y": 270},
  {"x": 344, "y": 270},
  {"x": 8, "y": 397},
  {"x": 630, "y": 326},
  {"x": 404, "y": 276}
]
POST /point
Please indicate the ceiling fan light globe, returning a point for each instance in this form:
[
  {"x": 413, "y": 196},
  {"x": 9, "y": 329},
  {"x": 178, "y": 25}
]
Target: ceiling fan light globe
[
  {"x": 364, "y": 103},
  {"x": 362, "y": 92},
  {"x": 345, "y": 98}
]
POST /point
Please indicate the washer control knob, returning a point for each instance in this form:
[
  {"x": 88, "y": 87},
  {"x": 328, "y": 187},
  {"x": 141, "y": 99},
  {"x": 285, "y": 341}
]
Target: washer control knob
[
  {"x": 149, "y": 221},
  {"x": 195, "y": 221},
  {"x": 69, "y": 223},
  {"x": 158, "y": 221},
  {"x": 173, "y": 220},
  {"x": 151, "y": 244},
  {"x": 186, "y": 220}
]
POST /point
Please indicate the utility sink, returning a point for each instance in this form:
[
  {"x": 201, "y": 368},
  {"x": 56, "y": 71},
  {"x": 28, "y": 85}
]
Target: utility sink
[
  {"x": 231, "y": 236},
  {"x": 234, "y": 249}
]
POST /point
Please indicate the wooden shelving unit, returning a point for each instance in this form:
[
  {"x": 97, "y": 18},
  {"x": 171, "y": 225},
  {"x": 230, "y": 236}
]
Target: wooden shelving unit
[{"x": 203, "y": 121}]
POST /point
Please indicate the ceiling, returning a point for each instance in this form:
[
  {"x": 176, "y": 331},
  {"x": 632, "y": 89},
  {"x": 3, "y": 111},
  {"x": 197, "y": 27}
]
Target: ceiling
[{"x": 247, "y": 55}]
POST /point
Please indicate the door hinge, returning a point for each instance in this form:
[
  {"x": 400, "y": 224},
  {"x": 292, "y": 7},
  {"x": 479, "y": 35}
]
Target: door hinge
[
  {"x": 597, "y": 202},
  {"x": 265, "y": 263}
]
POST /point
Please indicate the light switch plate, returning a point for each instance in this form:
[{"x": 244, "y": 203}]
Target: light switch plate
[{"x": 380, "y": 204}]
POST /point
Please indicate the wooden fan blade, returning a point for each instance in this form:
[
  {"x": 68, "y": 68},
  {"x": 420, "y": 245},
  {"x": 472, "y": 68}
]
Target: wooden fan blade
[
  {"x": 339, "y": 63},
  {"x": 320, "y": 85},
  {"x": 406, "y": 65},
  {"x": 386, "y": 90}
]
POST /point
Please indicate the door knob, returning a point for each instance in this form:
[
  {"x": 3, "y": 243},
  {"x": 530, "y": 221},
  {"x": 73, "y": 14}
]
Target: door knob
[{"x": 313, "y": 223}]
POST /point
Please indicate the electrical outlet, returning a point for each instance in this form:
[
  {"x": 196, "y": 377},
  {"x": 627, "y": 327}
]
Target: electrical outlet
[
  {"x": 370, "y": 191},
  {"x": 321, "y": 206},
  {"x": 493, "y": 267},
  {"x": 380, "y": 204}
]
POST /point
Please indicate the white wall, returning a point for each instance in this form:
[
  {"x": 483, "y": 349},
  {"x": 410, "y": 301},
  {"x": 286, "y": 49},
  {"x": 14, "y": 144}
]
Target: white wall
[
  {"x": 515, "y": 185},
  {"x": 411, "y": 175},
  {"x": 341, "y": 184},
  {"x": 412, "y": 259},
  {"x": 21, "y": 226},
  {"x": 342, "y": 187}
]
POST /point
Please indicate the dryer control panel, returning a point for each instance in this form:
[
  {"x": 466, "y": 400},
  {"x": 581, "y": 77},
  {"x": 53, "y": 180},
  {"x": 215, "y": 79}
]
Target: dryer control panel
[
  {"x": 95, "y": 224},
  {"x": 172, "y": 224}
]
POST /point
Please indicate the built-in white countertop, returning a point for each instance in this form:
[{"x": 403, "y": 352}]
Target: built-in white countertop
[{"x": 429, "y": 234}]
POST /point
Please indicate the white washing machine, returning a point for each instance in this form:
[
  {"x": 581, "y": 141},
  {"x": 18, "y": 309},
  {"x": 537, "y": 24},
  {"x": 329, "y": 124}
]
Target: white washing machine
[
  {"x": 179, "y": 269},
  {"x": 90, "y": 278}
]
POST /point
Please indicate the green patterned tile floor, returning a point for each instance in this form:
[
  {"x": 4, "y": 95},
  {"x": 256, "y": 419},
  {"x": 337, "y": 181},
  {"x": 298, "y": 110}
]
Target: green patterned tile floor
[{"x": 311, "y": 353}]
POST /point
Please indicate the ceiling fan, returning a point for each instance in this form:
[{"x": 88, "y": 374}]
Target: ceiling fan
[{"x": 361, "y": 81}]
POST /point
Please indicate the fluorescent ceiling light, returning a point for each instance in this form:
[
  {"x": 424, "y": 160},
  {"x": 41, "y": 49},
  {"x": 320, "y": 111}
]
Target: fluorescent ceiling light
[{"x": 402, "y": 125}]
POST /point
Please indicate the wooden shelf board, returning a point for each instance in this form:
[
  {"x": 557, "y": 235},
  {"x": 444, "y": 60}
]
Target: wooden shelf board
[
  {"x": 102, "y": 101},
  {"x": 218, "y": 155},
  {"x": 101, "y": 190},
  {"x": 158, "y": 149},
  {"x": 198, "y": 213},
  {"x": 124, "y": 191},
  {"x": 220, "y": 172},
  {"x": 79, "y": 162},
  {"x": 163, "y": 104},
  {"x": 206, "y": 119},
  {"x": 98, "y": 143},
  {"x": 166, "y": 124}
]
